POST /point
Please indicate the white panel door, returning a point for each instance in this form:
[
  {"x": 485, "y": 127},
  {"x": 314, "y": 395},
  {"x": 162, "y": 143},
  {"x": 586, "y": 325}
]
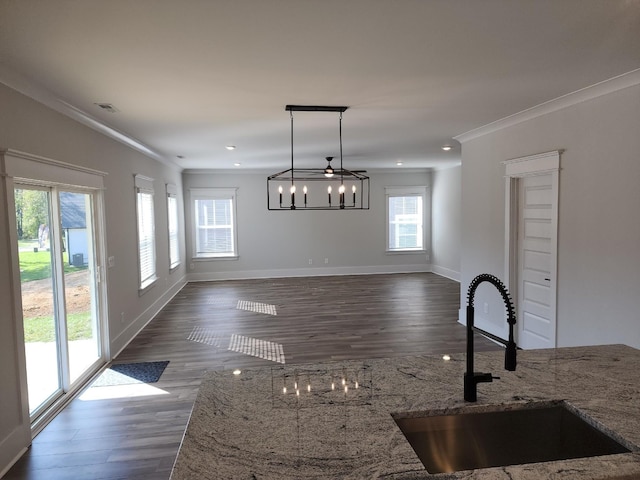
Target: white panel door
[{"x": 536, "y": 264}]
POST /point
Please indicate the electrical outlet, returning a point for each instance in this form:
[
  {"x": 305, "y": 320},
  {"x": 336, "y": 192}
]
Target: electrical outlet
[
  {"x": 486, "y": 308},
  {"x": 111, "y": 262},
  {"x": 310, "y": 261},
  {"x": 326, "y": 260}
]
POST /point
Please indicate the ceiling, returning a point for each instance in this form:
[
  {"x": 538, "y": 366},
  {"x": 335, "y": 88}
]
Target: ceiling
[{"x": 190, "y": 77}]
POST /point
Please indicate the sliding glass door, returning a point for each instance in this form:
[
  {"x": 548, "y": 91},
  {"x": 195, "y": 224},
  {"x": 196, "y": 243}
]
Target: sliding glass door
[{"x": 59, "y": 282}]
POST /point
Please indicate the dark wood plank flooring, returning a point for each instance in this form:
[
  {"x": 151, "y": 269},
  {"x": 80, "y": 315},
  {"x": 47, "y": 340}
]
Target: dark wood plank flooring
[{"x": 318, "y": 319}]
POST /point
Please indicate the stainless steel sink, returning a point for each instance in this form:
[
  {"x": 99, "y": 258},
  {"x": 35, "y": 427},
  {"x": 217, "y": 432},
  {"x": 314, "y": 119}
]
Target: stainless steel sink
[{"x": 525, "y": 433}]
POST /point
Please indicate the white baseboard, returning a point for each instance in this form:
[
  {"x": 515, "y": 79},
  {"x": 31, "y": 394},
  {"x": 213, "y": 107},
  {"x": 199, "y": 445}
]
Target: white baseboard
[
  {"x": 446, "y": 272},
  {"x": 135, "y": 327},
  {"x": 306, "y": 272}
]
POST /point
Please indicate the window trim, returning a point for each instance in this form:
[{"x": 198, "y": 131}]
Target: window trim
[
  {"x": 172, "y": 193},
  {"x": 144, "y": 185},
  {"x": 409, "y": 191},
  {"x": 214, "y": 193}
]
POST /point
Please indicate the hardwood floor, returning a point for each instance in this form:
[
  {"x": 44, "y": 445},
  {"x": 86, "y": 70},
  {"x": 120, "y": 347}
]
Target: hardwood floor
[{"x": 101, "y": 436}]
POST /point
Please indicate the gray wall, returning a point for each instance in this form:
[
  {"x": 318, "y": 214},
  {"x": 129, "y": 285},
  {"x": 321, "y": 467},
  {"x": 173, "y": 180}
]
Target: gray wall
[
  {"x": 599, "y": 228},
  {"x": 280, "y": 243},
  {"x": 446, "y": 222},
  {"x": 29, "y": 126}
]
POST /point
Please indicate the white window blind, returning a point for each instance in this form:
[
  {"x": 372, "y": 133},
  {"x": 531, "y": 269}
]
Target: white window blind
[
  {"x": 214, "y": 222},
  {"x": 174, "y": 239},
  {"x": 146, "y": 231},
  {"x": 405, "y": 219}
]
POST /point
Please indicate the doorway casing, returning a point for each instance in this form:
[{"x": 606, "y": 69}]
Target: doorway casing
[
  {"x": 515, "y": 170},
  {"x": 23, "y": 168}
]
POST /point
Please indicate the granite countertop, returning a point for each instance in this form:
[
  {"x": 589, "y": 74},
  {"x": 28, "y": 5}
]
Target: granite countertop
[{"x": 246, "y": 427}]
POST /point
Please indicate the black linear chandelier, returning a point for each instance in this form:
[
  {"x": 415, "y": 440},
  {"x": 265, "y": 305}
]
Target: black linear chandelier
[{"x": 326, "y": 188}]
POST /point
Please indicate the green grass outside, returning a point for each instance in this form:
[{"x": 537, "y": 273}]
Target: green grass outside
[
  {"x": 37, "y": 265},
  {"x": 40, "y": 329}
]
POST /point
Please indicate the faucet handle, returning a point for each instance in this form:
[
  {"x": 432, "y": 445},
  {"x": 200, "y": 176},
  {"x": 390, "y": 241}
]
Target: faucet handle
[{"x": 483, "y": 377}]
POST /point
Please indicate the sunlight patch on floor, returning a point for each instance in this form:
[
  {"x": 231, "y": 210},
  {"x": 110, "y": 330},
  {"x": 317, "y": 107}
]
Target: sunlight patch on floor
[
  {"x": 255, "y": 347},
  {"x": 207, "y": 336},
  {"x": 256, "y": 307},
  {"x": 121, "y": 391}
]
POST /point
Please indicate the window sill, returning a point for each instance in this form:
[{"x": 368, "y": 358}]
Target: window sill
[
  {"x": 405, "y": 252},
  {"x": 214, "y": 258},
  {"x": 147, "y": 286}
]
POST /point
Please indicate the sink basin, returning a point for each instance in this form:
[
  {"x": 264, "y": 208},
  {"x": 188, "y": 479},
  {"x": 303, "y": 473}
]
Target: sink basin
[{"x": 523, "y": 433}]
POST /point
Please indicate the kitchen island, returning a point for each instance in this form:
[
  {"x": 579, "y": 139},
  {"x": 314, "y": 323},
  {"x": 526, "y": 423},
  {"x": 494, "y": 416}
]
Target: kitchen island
[{"x": 334, "y": 420}]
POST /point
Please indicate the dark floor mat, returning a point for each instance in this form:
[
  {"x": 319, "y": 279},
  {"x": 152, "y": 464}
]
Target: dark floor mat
[{"x": 129, "y": 373}]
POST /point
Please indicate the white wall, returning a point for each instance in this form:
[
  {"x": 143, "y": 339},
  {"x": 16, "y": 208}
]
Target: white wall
[
  {"x": 599, "y": 226},
  {"x": 446, "y": 222},
  {"x": 28, "y": 126},
  {"x": 280, "y": 243}
]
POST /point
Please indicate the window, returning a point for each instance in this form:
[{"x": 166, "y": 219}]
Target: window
[
  {"x": 146, "y": 231},
  {"x": 215, "y": 231},
  {"x": 172, "y": 213},
  {"x": 405, "y": 219}
]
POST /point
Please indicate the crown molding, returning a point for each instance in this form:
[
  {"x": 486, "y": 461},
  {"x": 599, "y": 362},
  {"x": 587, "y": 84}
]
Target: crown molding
[
  {"x": 605, "y": 87},
  {"x": 40, "y": 94}
]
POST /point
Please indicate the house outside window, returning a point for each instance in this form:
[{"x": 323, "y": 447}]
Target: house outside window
[
  {"x": 406, "y": 207},
  {"x": 172, "y": 214},
  {"x": 146, "y": 232},
  {"x": 214, "y": 222}
]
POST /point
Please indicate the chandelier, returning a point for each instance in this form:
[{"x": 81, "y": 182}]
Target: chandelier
[{"x": 328, "y": 188}]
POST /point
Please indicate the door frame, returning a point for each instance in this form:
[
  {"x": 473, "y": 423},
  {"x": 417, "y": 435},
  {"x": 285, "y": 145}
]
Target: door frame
[
  {"x": 516, "y": 169},
  {"x": 24, "y": 168}
]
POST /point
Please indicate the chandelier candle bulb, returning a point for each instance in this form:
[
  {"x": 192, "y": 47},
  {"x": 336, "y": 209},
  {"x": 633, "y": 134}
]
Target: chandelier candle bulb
[
  {"x": 329, "y": 192},
  {"x": 293, "y": 197},
  {"x": 341, "y": 191},
  {"x": 304, "y": 190},
  {"x": 280, "y": 192},
  {"x": 353, "y": 189}
]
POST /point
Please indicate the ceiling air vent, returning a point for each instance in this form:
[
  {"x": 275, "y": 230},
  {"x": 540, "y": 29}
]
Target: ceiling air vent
[{"x": 107, "y": 107}]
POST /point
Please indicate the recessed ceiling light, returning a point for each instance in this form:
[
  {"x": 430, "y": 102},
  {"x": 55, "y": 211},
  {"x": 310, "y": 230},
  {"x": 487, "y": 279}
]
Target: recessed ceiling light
[
  {"x": 230, "y": 147},
  {"x": 237, "y": 164},
  {"x": 446, "y": 148},
  {"x": 399, "y": 163},
  {"x": 237, "y": 371}
]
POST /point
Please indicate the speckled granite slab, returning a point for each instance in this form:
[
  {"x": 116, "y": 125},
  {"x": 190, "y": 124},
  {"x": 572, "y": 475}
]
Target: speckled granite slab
[{"x": 334, "y": 420}]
